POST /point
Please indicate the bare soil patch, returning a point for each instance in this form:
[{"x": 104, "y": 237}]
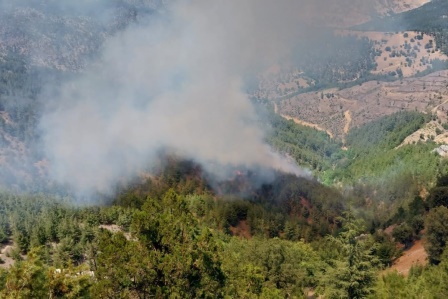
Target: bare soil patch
[
  {"x": 369, "y": 101},
  {"x": 431, "y": 131},
  {"x": 303, "y": 123},
  {"x": 408, "y": 51},
  {"x": 241, "y": 230},
  {"x": 348, "y": 121},
  {"x": 6, "y": 118},
  {"x": 5, "y": 251},
  {"x": 416, "y": 255}
]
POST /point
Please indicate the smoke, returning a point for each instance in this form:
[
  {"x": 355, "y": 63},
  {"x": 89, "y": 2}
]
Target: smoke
[{"x": 173, "y": 82}]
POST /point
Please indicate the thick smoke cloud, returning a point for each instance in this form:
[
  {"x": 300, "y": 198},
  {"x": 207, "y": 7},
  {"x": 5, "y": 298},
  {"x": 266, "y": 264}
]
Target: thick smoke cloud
[{"x": 172, "y": 82}]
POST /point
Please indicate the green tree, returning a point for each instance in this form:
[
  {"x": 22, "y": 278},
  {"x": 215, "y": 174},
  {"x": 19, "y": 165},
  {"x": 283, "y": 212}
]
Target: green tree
[
  {"x": 416, "y": 206},
  {"x": 123, "y": 268},
  {"x": 71, "y": 282},
  {"x": 404, "y": 234},
  {"x": 352, "y": 275},
  {"x": 258, "y": 267},
  {"x": 438, "y": 196},
  {"x": 436, "y": 224},
  {"x": 169, "y": 255},
  {"x": 26, "y": 279}
]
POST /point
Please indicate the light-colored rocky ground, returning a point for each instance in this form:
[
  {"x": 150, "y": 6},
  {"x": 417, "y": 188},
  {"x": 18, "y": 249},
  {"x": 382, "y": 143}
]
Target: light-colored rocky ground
[
  {"x": 5, "y": 252},
  {"x": 366, "y": 102},
  {"x": 407, "y": 52},
  {"x": 401, "y": 50}
]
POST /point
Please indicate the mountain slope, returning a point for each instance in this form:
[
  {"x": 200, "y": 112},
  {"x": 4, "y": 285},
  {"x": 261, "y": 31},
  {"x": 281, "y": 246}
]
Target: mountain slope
[{"x": 369, "y": 101}]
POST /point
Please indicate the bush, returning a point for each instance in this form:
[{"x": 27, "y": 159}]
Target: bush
[{"x": 404, "y": 234}]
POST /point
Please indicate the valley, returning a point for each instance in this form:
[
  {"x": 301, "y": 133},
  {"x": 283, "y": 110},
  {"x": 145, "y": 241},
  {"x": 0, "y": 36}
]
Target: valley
[
  {"x": 370, "y": 101},
  {"x": 197, "y": 149}
]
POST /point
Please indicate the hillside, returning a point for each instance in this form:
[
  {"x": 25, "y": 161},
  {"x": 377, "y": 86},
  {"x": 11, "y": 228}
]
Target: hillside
[
  {"x": 64, "y": 38},
  {"x": 428, "y": 19},
  {"x": 223, "y": 149},
  {"x": 368, "y": 101},
  {"x": 42, "y": 43},
  {"x": 400, "y": 44},
  {"x": 74, "y": 251},
  {"x": 347, "y": 13}
]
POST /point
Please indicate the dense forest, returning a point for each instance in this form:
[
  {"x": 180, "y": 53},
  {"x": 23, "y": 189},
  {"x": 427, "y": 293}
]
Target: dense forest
[
  {"x": 174, "y": 235},
  {"x": 159, "y": 239},
  {"x": 178, "y": 231}
]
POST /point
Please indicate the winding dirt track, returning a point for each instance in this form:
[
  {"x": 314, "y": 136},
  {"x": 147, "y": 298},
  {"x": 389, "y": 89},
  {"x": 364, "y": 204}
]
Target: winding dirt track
[
  {"x": 348, "y": 121},
  {"x": 301, "y": 122}
]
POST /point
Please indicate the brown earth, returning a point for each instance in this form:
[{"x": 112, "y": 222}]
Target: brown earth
[
  {"x": 303, "y": 123},
  {"x": 6, "y": 117},
  {"x": 429, "y": 131},
  {"x": 416, "y": 255},
  {"x": 5, "y": 251},
  {"x": 366, "y": 102},
  {"x": 408, "y": 53},
  {"x": 241, "y": 230},
  {"x": 348, "y": 121},
  {"x": 401, "y": 50}
]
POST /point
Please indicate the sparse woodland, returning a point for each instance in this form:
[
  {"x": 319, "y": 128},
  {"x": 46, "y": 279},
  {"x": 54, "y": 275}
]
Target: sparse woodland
[{"x": 428, "y": 19}]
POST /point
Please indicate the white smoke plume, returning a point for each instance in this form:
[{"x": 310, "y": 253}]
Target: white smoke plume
[{"x": 175, "y": 81}]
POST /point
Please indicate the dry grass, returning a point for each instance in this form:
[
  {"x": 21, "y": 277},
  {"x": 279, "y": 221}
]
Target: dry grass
[
  {"x": 329, "y": 109},
  {"x": 5, "y": 253},
  {"x": 419, "y": 56},
  {"x": 303, "y": 123},
  {"x": 416, "y": 255}
]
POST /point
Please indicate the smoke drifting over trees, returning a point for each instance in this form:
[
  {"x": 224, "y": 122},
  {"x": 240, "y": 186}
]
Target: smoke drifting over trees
[
  {"x": 167, "y": 75},
  {"x": 172, "y": 81}
]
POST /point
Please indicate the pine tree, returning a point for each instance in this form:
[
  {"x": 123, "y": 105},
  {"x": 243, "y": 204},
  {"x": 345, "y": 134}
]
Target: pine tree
[
  {"x": 352, "y": 275},
  {"x": 436, "y": 225}
]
